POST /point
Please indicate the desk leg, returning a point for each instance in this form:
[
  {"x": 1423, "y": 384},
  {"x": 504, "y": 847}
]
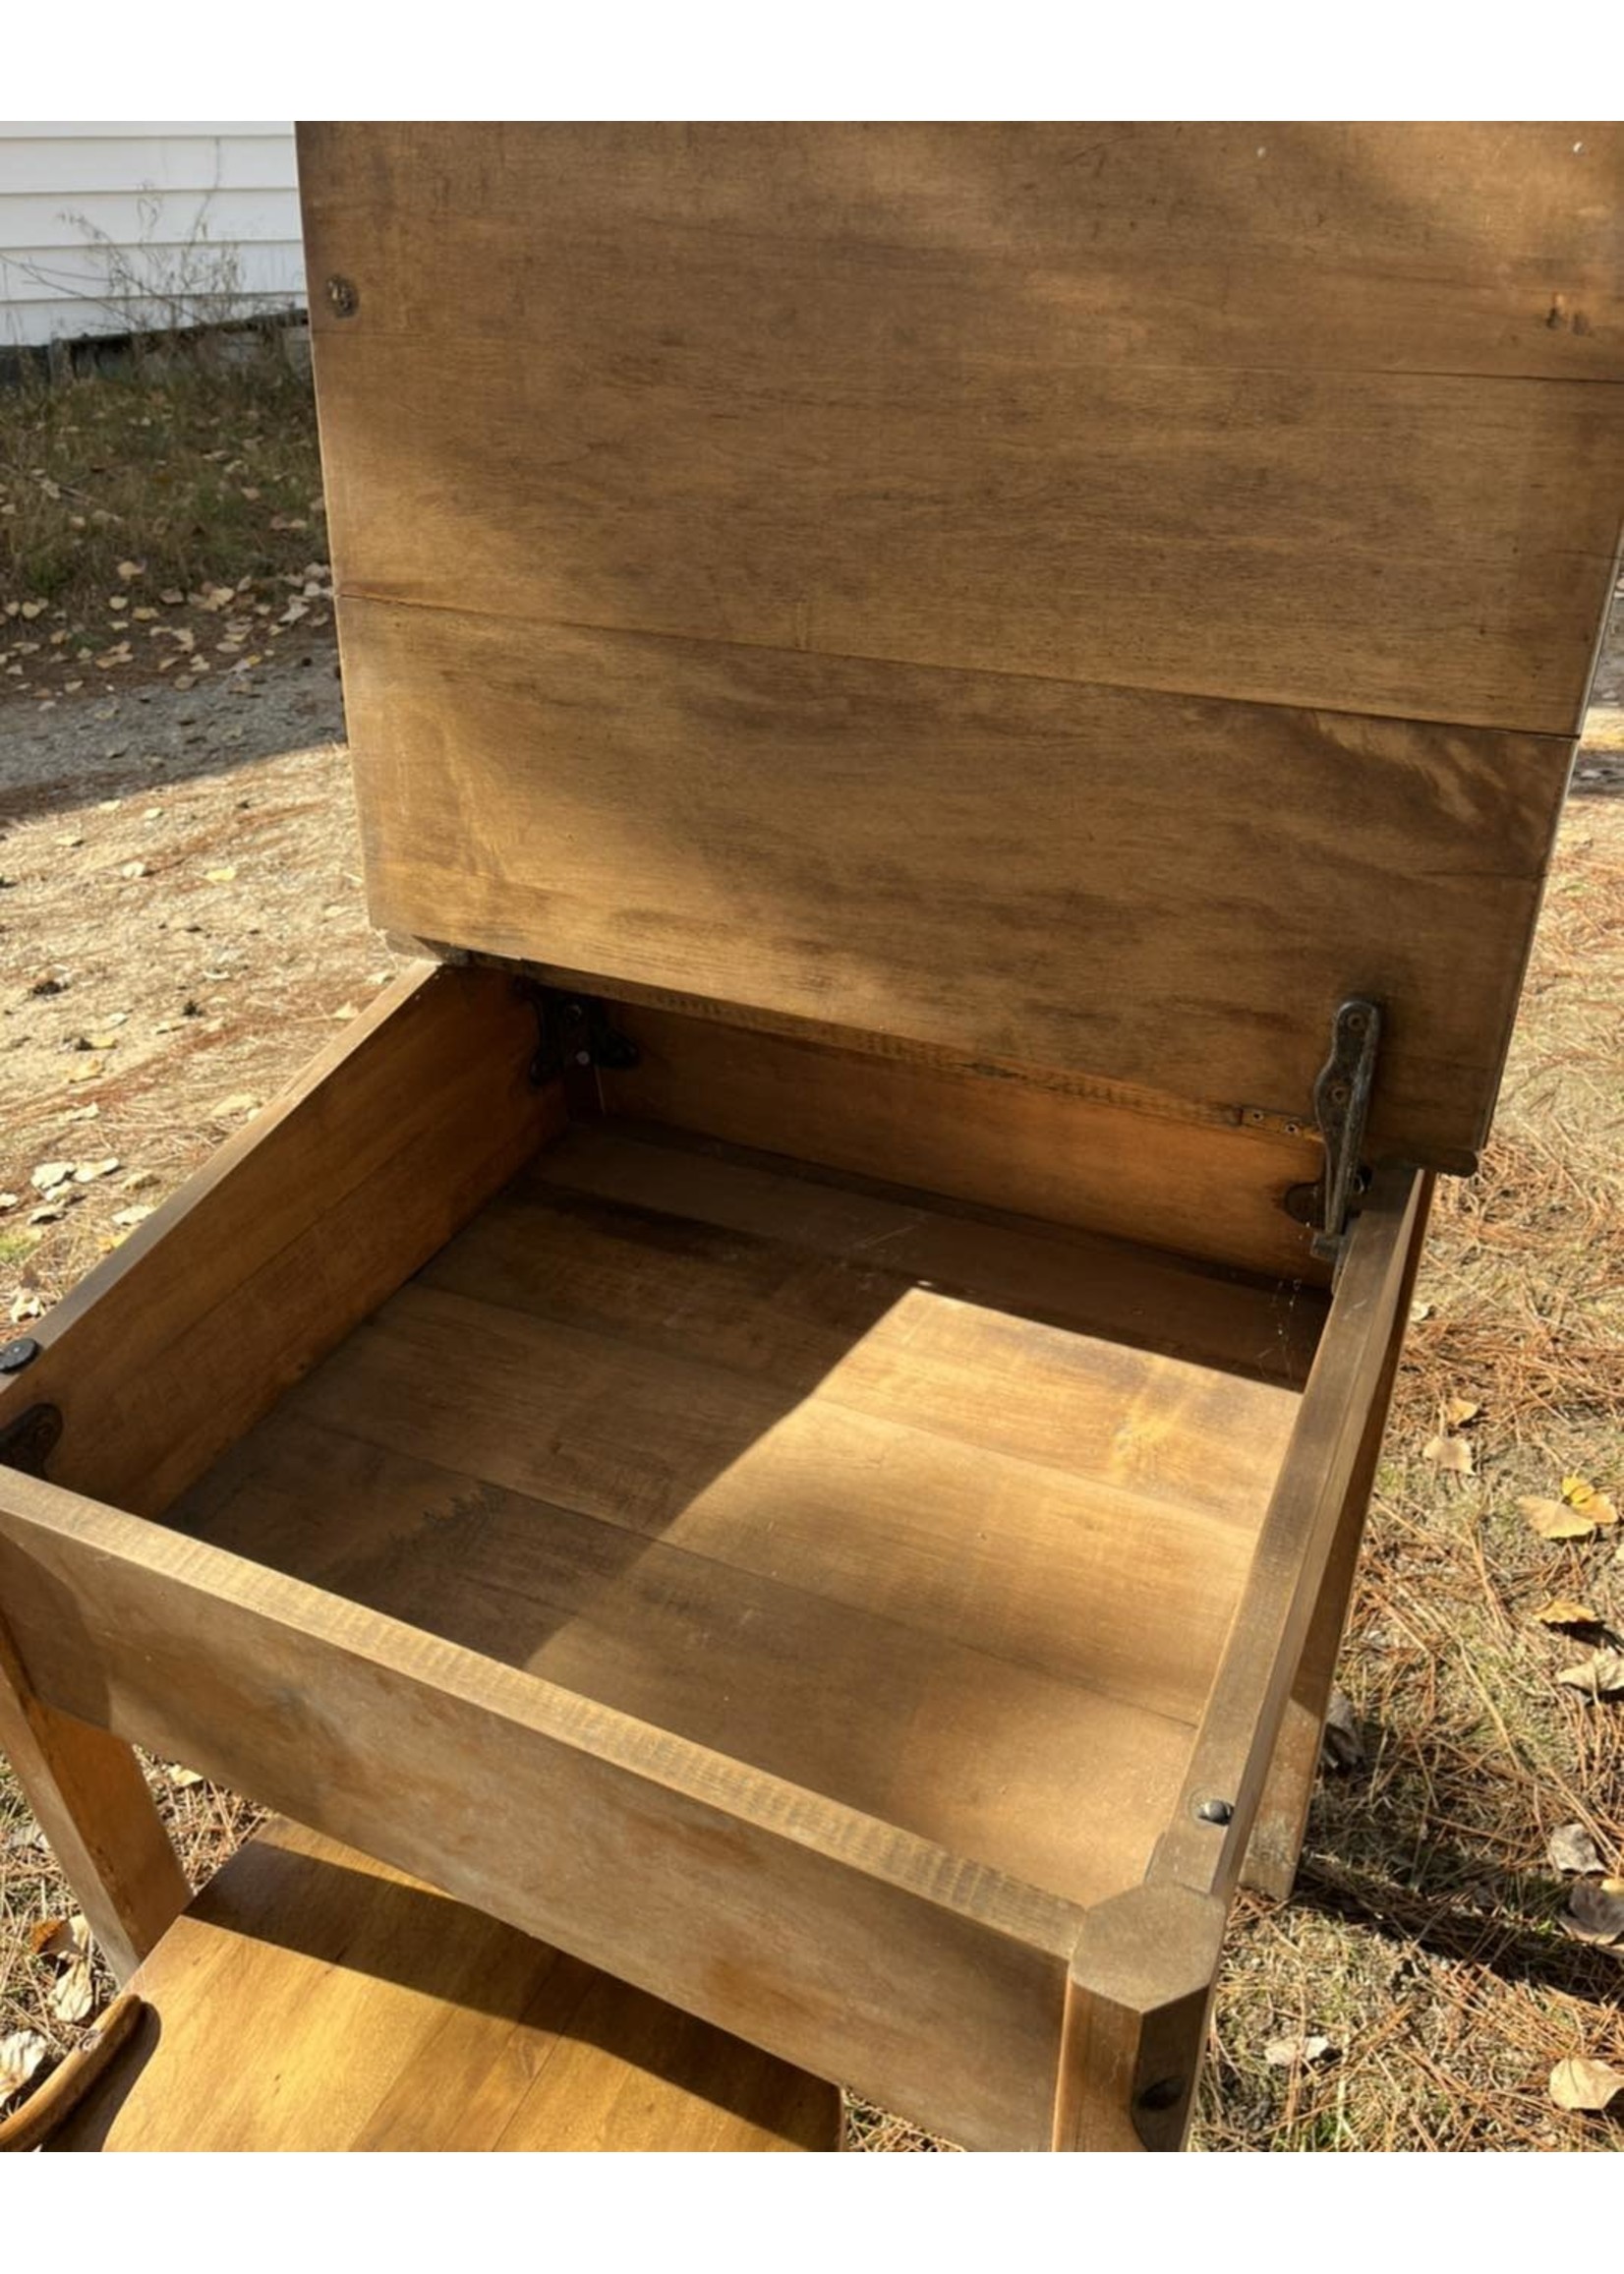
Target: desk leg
[
  {"x": 90, "y": 1800},
  {"x": 1137, "y": 2005}
]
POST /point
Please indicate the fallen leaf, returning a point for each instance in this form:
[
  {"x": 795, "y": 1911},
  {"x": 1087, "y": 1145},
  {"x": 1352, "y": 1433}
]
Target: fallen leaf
[
  {"x": 133, "y": 868},
  {"x": 1419, "y": 1311},
  {"x": 1459, "y": 1410},
  {"x": 51, "y": 1213},
  {"x": 1344, "y": 1747},
  {"x": 1602, "y": 1675},
  {"x": 20, "y": 2056},
  {"x": 1596, "y": 1911},
  {"x": 9, "y": 1201},
  {"x": 1585, "y": 2084},
  {"x": 1565, "y": 1613},
  {"x": 1570, "y": 1847},
  {"x": 172, "y": 598},
  {"x": 74, "y": 1997},
  {"x": 1587, "y": 1501},
  {"x": 239, "y": 1101},
  {"x": 100, "y": 1041},
  {"x": 87, "y": 1172},
  {"x": 24, "y": 1307},
  {"x": 129, "y": 568},
  {"x": 61, "y": 1938},
  {"x": 183, "y": 1780},
  {"x": 87, "y": 1068},
  {"x": 49, "y": 1173},
  {"x": 1288, "y": 2052},
  {"x": 128, "y": 1218},
  {"x": 1453, "y": 1455},
  {"x": 218, "y": 875},
  {"x": 345, "y": 1011},
  {"x": 1555, "y": 1520},
  {"x": 86, "y": 1113}
]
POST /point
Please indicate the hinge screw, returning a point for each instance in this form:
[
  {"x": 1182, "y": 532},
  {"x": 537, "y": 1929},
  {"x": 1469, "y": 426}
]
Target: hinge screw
[{"x": 1214, "y": 1811}]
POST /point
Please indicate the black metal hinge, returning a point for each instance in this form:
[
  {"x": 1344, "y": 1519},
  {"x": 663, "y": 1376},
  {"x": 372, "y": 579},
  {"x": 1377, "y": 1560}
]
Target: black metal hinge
[
  {"x": 29, "y": 1443},
  {"x": 575, "y": 1030},
  {"x": 1342, "y": 1107}
]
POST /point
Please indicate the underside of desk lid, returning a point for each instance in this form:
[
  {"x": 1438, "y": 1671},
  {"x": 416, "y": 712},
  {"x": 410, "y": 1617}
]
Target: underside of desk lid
[{"x": 1087, "y": 599}]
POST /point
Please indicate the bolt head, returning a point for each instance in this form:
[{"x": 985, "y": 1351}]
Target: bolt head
[{"x": 22, "y": 1350}]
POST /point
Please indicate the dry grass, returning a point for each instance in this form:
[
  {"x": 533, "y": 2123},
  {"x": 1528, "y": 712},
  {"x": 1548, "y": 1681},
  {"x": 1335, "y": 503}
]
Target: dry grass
[
  {"x": 1422, "y": 1939},
  {"x": 167, "y": 518}
]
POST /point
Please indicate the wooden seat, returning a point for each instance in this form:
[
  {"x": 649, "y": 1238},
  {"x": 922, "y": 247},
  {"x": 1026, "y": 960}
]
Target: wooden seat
[{"x": 309, "y": 1999}]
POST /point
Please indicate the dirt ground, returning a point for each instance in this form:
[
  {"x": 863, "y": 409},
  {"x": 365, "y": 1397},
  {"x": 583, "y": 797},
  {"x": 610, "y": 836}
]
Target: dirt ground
[{"x": 181, "y": 922}]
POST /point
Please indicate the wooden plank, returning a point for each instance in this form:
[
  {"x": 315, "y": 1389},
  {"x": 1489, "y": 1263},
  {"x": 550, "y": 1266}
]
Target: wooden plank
[
  {"x": 932, "y": 1985},
  {"x": 1059, "y": 1786},
  {"x": 1170, "y": 893},
  {"x": 1283, "y": 1810},
  {"x": 1307, "y": 1516},
  {"x": 259, "y": 1264},
  {"x": 1193, "y": 1187},
  {"x": 1368, "y": 247},
  {"x": 90, "y": 1800},
  {"x": 1021, "y": 1558},
  {"x": 953, "y": 1361},
  {"x": 1116, "y": 1291},
  {"x": 998, "y": 400},
  {"x": 1463, "y": 577},
  {"x": 293, "y": 1231},
  {"x": 313, "y": 2000}
]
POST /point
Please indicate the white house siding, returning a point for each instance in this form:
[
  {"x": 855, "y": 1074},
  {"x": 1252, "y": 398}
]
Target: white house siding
[{"x": 124, "y": 228}]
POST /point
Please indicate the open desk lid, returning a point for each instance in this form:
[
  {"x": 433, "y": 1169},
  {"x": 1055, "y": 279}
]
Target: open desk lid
[{"x": 1089, "y": 599}]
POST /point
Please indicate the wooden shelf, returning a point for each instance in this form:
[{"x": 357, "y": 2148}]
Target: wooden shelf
[{"x": 843, "y": 1485}]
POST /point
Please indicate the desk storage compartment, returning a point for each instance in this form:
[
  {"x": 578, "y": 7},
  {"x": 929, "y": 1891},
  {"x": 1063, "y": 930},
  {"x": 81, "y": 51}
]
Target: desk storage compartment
[{"x": 808, "y": 1596}]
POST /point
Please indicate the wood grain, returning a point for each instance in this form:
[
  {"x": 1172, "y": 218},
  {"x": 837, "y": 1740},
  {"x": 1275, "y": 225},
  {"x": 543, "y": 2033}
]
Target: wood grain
[
  {"x": 1000, "y": 400},
  {"x": 996, "y": 1139},
  {"x": 1057, "y": 1785},
  {"x": 313, "y": 2000},
  {"x": 1317, "y": 1495},
  {"x": 1170, "y": 893},
  {"x": 880, "y": 1229},
  {"x": 795, "y": 1408},
  {"x": 1367, "y": 247},
  {"x": 88, "y": 1795},
  {"x": 293, "y": 1231},
  {"x": 850, "y": 1948},
  {"x": 1276, "y": 1841}
]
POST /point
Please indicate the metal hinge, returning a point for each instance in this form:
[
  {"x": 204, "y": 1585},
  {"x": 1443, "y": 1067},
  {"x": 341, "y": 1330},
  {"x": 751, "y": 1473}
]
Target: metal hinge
[
  {"x": 575, "y": 1030},
  {"x": 29, "y": 1443},
  {"x": 1342, "y": 1106}
]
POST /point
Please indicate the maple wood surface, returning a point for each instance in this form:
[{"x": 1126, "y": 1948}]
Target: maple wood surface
[
  {"x": 1093, "y": 597},
  {"x": 312, "y": 2000}
]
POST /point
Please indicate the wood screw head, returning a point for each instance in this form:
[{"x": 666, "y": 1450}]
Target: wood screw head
[
  {"x": 1214, "y": 1811},
  {"x": 19, "y": 1352}
]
